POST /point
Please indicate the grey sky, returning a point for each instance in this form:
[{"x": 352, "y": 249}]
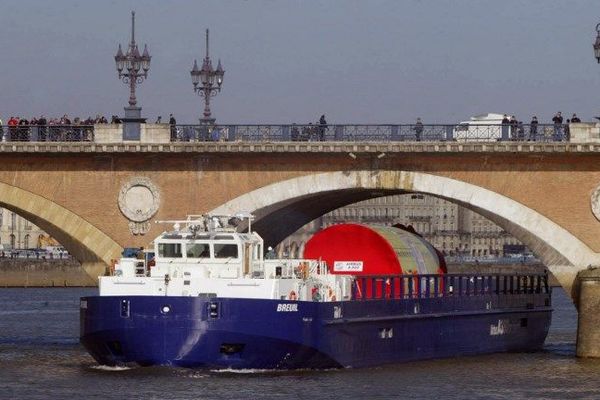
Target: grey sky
[{"x": 357, "y": 61}]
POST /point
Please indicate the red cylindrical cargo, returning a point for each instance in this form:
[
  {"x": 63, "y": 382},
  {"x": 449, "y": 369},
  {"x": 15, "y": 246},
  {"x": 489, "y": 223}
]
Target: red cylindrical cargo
[{"x": 373, "y": 250}]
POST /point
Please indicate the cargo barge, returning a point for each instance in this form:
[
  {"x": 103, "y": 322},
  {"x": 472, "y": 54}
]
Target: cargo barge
[{"x": 210, "y": 299}]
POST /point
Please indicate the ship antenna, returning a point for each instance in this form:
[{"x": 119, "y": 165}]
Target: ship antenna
[{"x": 247, "y": 215}]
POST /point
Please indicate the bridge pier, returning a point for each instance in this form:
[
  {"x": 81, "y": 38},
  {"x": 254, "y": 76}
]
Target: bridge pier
[{"x": 588, "y": 323}]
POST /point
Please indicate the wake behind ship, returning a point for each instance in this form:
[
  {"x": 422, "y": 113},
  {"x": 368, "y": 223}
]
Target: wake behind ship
[{"x": 362, "y": 296}]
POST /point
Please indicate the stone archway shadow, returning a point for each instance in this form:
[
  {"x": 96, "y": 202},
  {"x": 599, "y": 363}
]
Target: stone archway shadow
[
  {"x": 86, "y": 243},
  {"x": 283, "y": 207}
]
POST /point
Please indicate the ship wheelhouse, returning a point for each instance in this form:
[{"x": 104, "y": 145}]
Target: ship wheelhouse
[
  {"x": 210, "y": 258},
  {"x": 211, "y": 255}
]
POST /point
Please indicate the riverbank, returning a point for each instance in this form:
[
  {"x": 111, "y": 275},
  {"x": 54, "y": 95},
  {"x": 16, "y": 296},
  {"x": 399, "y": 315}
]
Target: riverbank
[{"x": 43, "y": 273}]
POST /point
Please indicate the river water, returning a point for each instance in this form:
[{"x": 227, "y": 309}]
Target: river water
[{"x": 40, "y": 358}]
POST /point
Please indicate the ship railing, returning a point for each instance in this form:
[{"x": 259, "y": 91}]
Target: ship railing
[{"x": 378, "y": 287}]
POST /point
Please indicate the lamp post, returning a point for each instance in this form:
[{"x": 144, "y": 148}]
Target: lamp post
[
  {"x": 207, "y": 82},
  {"x": 132, "y": 69}
]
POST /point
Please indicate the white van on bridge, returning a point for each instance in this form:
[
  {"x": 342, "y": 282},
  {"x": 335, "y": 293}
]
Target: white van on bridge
[{"x": 484, "y": 127}]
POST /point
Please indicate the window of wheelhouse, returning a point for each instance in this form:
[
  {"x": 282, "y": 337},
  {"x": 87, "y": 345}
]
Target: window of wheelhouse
[
  {"x": 226, "y": 250},
  {"x": 169, "y": 250},
  {"x": 197, "y": 250},
  {"x": 257, "y": 253}
]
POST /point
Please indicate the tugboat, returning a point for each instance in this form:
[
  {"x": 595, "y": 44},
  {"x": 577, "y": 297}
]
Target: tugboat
[{"x": 362, "y": 296}]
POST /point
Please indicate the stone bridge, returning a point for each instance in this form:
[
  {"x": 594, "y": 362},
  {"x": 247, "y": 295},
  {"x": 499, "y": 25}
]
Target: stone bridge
[{"x": 98, "y": 198}]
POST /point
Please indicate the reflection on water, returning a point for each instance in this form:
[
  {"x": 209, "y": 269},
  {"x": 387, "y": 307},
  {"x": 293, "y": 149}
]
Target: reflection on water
[{"x": 40, "y": 358}]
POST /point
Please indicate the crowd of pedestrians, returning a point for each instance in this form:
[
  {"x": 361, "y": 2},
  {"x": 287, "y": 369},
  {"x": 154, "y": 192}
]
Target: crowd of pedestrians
[
  {"x": 310, "y": 132},
  {"x": 517, "y": 128},
  {"x": 49, "y": 129}
]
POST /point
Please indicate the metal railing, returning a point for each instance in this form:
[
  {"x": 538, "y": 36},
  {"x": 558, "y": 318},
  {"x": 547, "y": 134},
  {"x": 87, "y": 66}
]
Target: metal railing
[
  {"x": 47, "y": 133},
  {"x": 442, "y": 285},
  {"x": 370, "y": 133},
  {"x": 491, "y": 260},
  {"x": 309, "y": 133}
]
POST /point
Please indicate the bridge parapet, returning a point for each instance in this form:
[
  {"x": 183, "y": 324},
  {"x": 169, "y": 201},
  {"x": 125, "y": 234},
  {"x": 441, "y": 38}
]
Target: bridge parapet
[
  {"x": 149, "y": 133},
  {"x": 585, "y": 133},
  {"x": 351, "y": 149},
  {"x": 486, "y": 135}
]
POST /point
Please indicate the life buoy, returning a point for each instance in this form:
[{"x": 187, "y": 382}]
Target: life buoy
[{"x": 292, "y": 296}]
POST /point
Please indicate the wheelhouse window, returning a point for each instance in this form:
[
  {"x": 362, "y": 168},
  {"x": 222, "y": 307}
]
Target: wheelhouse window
[
  {"x": 223, "y": 237},
  {"x": 169, "y": 250},
  {"x": 197, "y": 250},
  {"x": 223, "y": 250}
]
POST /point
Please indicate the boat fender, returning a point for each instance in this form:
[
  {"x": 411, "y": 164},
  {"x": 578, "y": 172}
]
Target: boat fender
[{"x": 292, "y": 296}]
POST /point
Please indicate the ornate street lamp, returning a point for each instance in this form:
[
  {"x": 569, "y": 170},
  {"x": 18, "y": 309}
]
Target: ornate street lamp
[
  {"x": 207, "y": 82},
  {"x": 133, "y": 69},
  {"x": 597, "y": 44}
]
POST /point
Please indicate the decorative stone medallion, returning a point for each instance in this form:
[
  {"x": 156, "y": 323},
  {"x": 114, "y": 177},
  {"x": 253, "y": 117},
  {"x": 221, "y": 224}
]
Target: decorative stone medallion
[
  {"x": 139, "y": 200},
  {"x": 595, "y": 200}
]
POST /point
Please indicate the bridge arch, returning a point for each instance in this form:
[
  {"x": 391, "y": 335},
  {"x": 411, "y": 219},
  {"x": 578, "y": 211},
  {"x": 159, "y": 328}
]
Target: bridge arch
[
  {"x": 86, "y": 243},
  {"x": 283, "y": 207}
]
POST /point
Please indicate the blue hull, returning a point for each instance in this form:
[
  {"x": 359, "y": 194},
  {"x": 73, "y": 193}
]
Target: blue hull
[{"x": 220, "y": 333}]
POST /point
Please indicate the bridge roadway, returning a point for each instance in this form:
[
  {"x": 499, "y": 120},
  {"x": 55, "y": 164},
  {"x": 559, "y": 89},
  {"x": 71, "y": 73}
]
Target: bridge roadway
[{"x": 97, "y": 198}]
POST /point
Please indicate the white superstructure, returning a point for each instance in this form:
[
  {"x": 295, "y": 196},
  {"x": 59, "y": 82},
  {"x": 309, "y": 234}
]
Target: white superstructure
[
  {"x": 208, "y": 257},
  {"x": 484, "y": 127}
]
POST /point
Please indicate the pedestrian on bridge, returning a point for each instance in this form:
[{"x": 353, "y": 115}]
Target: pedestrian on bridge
[
  {"x": 533, "y": 127},
  {"x": 514, "y": 124},
  {"x": 505, "y": 125},
  {"x": 12, "y": 128},
  {"x": 322, "y": 127},
  {"x": 172, "y": 123},
  {"x": 558, "y": 120},
  {"x": 42, "y": 123},
  {"x": 418, "y": 128}
]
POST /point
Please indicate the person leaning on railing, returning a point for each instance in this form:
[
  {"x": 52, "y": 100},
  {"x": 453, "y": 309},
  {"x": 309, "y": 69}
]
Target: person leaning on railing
[
  {"x": 42, "y": 128},
  {"x": 294, "y": 133},
  {"x": 558, "y": 120},
  {"x": 23, "y": 130},
  {"x": 533, "y": 128},
  {"x": 172, "y": 123},
  {"x": 418, "y": 128},
  {"x": 322, "y": 127}
]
